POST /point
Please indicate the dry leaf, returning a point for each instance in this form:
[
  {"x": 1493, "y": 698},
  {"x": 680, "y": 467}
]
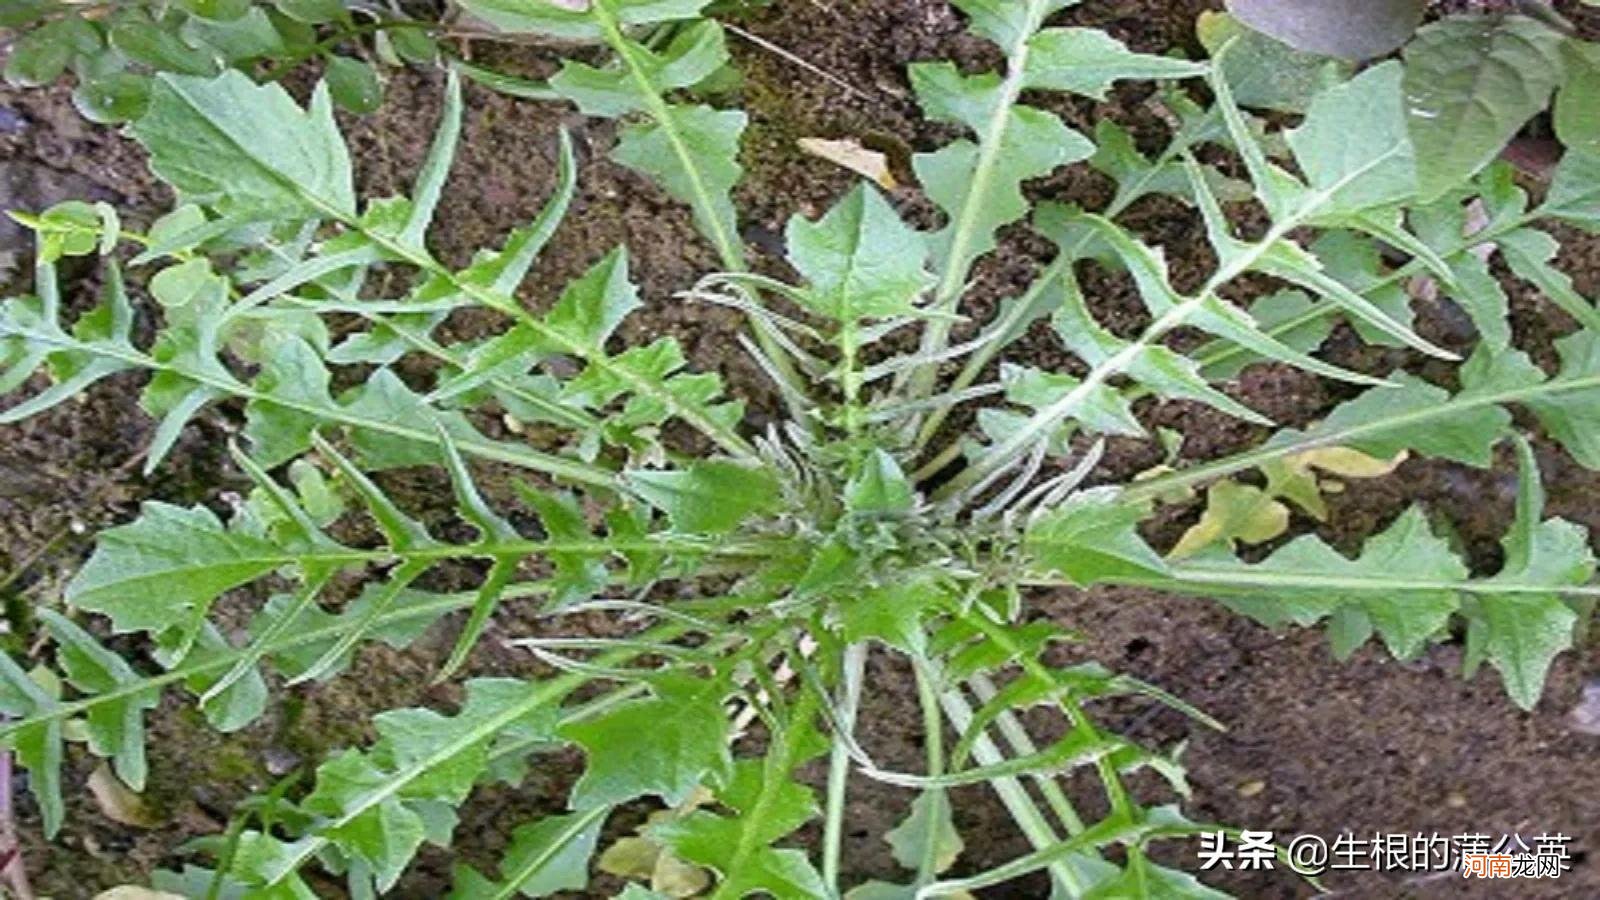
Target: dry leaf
[
  {"x": 134, "y": 892},
  {"x": 851, "y": 155},
  {"x": 118, "y": 802}
]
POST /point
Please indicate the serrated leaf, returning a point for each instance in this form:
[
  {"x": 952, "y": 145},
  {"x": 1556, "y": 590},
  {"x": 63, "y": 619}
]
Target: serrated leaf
[
  {"x": 688, "y": 744},
  {"x": 1091, "y": 538},
  {"x": 154, "y": 573},
  {"x": 1087, "y": 61},
  {"x": 709, "y": 497},
  {"x": 879, "y": 487},
  {"x": 1406, "y": 618},
  {"x": 705, "y": 177},
  {"x": 1521, "y": 634},
  {"x": 891, "y": 613},
  {"x": 1573, "y": 416},
  {"x": 860, "y": 259},
  {"x": 38, "y": 745},
  {"x": 1471, "y": 83},
  {"x": 1530, "y": 254},
  {"x": 578, "y": 575},
  {"x": 983, "y": 194},
  {"x": 1353, "y": 146},
  {"x": 116, "y": 728},
  {"x": 1264, "y": 72},
  {"x": 249, "y": 148},
  {"x": 694, "y": 54}
]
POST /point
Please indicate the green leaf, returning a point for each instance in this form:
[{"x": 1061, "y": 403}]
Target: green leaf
[
  {"x": 1158, "y": 368},
  {"x": 1471, "y": 84},
  {"x": 1353, "y": 146},
  {"x": 879, "y": 487},
  {"x": 1577, "y": 118},
  {"x": 665, "y": 745},
  {"x": 1521, "y": 634},
  {"x": 1466, "y": 436},
  {"x": 693, "y": 55},
  {"x": 1531, "y": 253},
  {"x": 156, "y": 572},
  {"x": 710, "y": 497},
  {"x": 562, "y": 21},
  {"x": 145, "y": 41},
  {"x": 545, "y": 857},
  {"x": 591, "y": 307},
  {"x": 578, "y": 575},
  {"x": 1573, "y": 416},
  {"x": 980, "y": 185},
  {"x": 1091, "y": 538},
  {"x": 769, "y": 807},
  {"x": 43, "y": 54},
  {"x": 702, "y": 175},
  {"x": 221, "y": 10},
  {"x": 1087, "y": 61},
  {"x": 1263, "y": 72},
  {"x": 384, "y": 837},
  {"x": 116, "y": 729},
  {"x": 37, "y": 745},
  {"x": 1575, "y": 190},
  {"x": 249, "y": 37},
  {"x": 248, "y": 149},
  {"x": 929, "y": 829},
  {"x": 1407, "y": 619},
  {"x": 860, "y": 259},
  {"x": 353, "y": 84},
  {"x": 311, "y": 12},
  {"x": 113, "y": 98},
  {"x": 892, "y": 613}
]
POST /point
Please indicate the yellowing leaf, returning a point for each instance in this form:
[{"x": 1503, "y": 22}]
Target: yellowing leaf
[
  {"x": 1234, "y": 512},
  {"x": 849, "y": 154},
  {"x": 630, "y": 857},
  {"x": 676, "y": 878},
  {"x": 1292, "y": 478},
  {"x": 120, "y": 804}
]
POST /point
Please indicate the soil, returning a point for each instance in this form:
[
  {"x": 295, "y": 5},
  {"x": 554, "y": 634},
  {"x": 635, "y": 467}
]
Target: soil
[{"x": 1312, "y": 745}]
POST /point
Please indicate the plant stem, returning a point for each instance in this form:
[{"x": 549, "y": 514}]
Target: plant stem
[
  {"x": 933, "y": 738},
  {"x": 852, "y": 666}
]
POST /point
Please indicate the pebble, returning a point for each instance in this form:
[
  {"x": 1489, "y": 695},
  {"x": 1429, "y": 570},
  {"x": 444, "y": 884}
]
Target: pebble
[{"x": 1585, "y": 717}]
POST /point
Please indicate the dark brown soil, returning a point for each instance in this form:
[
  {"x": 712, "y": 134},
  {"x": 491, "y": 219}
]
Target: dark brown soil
[{"x": 1312, "y": 746}]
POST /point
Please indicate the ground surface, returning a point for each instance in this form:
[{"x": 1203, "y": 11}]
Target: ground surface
[{"x": 1312, "y": 745}]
